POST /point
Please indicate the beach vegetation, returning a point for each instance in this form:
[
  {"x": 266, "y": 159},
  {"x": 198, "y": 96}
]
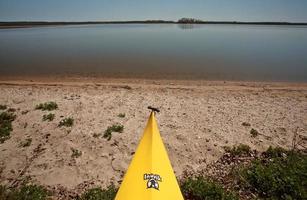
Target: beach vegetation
[
  {"x": 240, "y": 150},
  {"x": 25, "y": 192},
  {"x": 68, "y": 122},
  {"x": 100, "y": 194},
  {"x": 278, "y": 174},
  {"x": 199, "y": 187},
  {"x": 6, "y": 120},
  {"x": 114, "y": 128},
  {"x": 75, "y": 153},
  {"x": 3, "y": 107},
  {"x": 254, "y": 132},
  {"x": 47, "y": 106},
  {"x": 48, "y": 117},
  {"x": 26, "y": 143},
  {"x": 121, "y": 115}
]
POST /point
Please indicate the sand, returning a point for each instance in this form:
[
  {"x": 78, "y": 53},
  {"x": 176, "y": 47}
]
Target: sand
[{"x": 197, "y": 119}]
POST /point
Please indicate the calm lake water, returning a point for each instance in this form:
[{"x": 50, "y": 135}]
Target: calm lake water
[{"x": 223, "y": 52}]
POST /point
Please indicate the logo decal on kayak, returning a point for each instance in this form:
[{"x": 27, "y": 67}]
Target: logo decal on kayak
[{"x": 152, "y": 180}]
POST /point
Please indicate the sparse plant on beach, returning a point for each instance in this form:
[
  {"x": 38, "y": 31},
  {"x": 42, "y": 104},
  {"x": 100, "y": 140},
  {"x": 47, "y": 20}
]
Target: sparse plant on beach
[
  {"x": 49, "y": 117},
  {"x": 68, "y": 122},
  {"x": 100, "y": 194},
  {"x": 114, "y": 128},
  {"x": 75, "y": 153},
  {"x": 25, "y": 192},
  {"x": 240, "y": 150},
  {"x": 3, "y": 107},
  {"x": 254, "y": 132},
  {"x": 47, "y": 106},
  {"x": 278, "y": 174},
  {"x": 6, "y": 120},
  {"x": 121, "y": 115},
  {"x": 26, "y": 143},
  {"x": 199, "y": 187}
]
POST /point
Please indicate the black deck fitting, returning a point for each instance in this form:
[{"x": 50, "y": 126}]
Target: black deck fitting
[{"x": 153, "y": 109}]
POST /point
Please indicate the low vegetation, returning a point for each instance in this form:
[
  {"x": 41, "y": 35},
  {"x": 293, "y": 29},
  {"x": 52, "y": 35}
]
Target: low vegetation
[
  {"x": 201, "y": 188},
  {"x": 49, "y": 117},
  {"x": 47, "y": 106},
  {"x": 277, "y": 174},
  {"x": 26, "y": 192},
  {"x": 75, "y": 153},
  {"x": 114, "y": 128},
  {"x": 240, "y": 150},
  {"x": 3, "y": 107},
  {"x": 254, "y": 132},
  {"x": 100, "y": 194},
  {"x": 121, "y": 115},
  {"x": 68, "y": 122},
  {"x": 274, "y": 174},
  {"x": 6, "y": 119},
  {"x": 26, "y": 143}
]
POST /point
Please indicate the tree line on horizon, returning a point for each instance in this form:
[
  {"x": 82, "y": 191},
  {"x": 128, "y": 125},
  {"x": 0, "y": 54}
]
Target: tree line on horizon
[{"x": 180, "y": 21}]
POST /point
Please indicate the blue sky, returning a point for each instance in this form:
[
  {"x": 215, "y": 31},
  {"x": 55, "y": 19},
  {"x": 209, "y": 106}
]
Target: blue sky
[{"x": 92, "y": 10}]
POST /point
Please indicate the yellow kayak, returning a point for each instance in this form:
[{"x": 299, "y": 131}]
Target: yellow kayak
[{"x": 150, "y": 174}]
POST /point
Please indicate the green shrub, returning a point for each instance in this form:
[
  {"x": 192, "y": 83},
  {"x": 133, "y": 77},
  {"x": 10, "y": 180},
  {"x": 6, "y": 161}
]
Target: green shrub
[
  {"x": 201, "y": 188},
  {"x": 47, "y": 106},
  {"x": 114, "y": 128},
  {"x": 276, "y": 152},
  {"x": 76, "y": 153},
  {"x": 49, "y": 117},
  {"x": 281, "y": 175},
  {"x": 121, "y": 115},
  {"x": 26, "y": 143},
  {"x": 68, "y": 122},
  {"x": 240, "y": 150},
  {"x": 254, "y": 132},
  {"x": 3, "y": 192},
  {"x": 3, "y": 107},
  {"x": 99, "y": 194},
  {"x": 27, "y": 192},
  {"x": 6, "y": 120}
]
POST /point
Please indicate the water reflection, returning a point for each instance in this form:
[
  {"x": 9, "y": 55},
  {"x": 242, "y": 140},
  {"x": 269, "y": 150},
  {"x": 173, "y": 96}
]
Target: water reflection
[
  {"x": 205, "y": 51},
  {"x": 189, "y": 26}
]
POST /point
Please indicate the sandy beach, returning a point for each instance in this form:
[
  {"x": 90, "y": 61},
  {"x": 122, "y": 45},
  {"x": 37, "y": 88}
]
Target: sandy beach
[{"x": 197, "y": 119}]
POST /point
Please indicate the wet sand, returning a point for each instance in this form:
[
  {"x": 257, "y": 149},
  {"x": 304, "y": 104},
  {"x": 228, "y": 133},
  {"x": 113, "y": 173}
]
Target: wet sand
[{"x": 197, "y": 119}]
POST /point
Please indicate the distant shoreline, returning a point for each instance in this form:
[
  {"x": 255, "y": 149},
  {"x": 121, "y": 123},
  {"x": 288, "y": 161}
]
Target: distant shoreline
[{"x": 29, "y": 24}]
